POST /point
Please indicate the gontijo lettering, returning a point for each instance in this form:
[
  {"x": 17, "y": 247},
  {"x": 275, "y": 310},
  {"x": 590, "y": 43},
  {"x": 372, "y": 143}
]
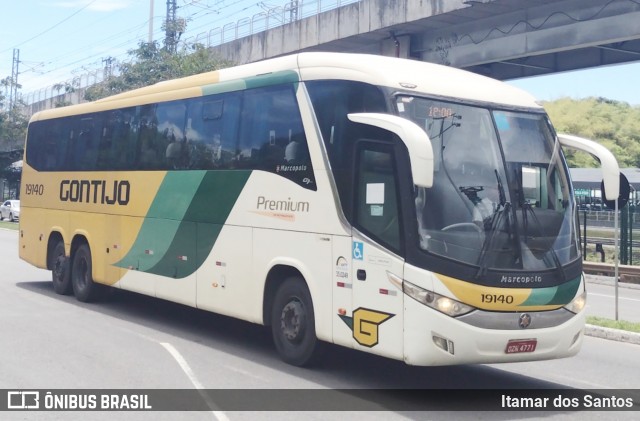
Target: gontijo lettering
[{"x": 95, "y": 191}]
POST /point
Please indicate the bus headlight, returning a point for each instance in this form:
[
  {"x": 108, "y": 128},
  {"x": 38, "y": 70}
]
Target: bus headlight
[
  {"x": 438, "y": 302},
  {"x": 578, "y": 303}
]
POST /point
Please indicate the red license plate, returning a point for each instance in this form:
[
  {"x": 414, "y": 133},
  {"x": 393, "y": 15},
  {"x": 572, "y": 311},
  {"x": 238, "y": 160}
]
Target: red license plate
[{"x": 516, "y": 346}]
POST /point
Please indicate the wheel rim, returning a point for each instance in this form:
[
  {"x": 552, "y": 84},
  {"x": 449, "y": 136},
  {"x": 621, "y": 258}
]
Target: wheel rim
[{"x": 293, "y": 321}]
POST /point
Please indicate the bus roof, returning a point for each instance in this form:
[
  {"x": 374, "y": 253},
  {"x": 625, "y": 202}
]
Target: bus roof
[{"x": 417, "y": 76}]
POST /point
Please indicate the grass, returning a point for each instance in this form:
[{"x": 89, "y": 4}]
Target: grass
[
  {"x": 9, "y": 225},
  {"x": 613, "y": 324}
]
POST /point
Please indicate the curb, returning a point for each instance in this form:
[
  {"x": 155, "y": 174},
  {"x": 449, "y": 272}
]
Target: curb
[{"x": 612, "y": 334}]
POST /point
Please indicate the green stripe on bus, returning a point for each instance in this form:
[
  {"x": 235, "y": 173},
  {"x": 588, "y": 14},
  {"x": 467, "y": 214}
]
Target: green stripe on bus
[
  {"x": 566, "y": 292},
  {"x": 184, "y": 221},
  {"x": 207, "y": 212},
  {"x": 275, "y": 78},
  {"x": 558, "y": 295}
]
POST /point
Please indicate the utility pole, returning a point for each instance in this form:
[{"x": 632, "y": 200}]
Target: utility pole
[
  {"x": 293, "y": 12},
  {"x": 13, "y": 83},
  {"x": 150, "y": 21},
  {"x": 108, "y": 67},
  {"x": 170, "y": 40}
]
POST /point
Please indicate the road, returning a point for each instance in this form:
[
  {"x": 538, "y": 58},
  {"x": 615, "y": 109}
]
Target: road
[
  {"x": 136, "y": 342},
  {"x": 601, "y": 299}
]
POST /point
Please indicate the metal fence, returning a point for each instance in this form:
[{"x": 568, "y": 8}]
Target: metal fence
[
  {"x": 597, "y": 233},
  {"x": 260, "y": 22},
  {"x": 606, "y": 218}
]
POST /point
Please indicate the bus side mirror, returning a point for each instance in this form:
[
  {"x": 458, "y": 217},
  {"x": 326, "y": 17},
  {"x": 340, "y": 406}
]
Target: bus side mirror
[
  {"x": 414, "y": 138},
  {"x": 608, "y": 163}
]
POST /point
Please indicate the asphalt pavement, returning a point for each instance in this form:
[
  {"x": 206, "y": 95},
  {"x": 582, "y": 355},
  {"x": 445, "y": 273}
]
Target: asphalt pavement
[{"x": 608, "y": 333}]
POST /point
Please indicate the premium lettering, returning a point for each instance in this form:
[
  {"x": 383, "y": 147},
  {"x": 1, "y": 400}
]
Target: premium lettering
[
  {"x": 95, "y": 191},
  {"x": 281, "y": 205}
]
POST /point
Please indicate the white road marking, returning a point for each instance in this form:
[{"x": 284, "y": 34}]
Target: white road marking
[
  {"x": 612, "y": 296},
  {"x": 219, "y": 415}
]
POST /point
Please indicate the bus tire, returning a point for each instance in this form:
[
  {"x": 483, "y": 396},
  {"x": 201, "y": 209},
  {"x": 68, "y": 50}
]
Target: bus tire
[
  {"x": 84, "y": 288},
  {"x": 60, "y": 274},
  {"x": 293, "y": 323}
]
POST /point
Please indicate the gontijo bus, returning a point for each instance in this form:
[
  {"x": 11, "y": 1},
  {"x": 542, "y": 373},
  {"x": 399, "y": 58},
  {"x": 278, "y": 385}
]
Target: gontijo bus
[{"x": 406, "y": 209}]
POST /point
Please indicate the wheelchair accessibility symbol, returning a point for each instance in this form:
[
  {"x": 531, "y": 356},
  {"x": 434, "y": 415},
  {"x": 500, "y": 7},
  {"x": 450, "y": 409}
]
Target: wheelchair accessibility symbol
[{"x": 358, "y": 250}]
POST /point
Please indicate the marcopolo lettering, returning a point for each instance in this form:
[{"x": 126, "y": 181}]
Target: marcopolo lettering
[
  {"x": 95, "y": 191},
  {"x": 532, "y": 279}
]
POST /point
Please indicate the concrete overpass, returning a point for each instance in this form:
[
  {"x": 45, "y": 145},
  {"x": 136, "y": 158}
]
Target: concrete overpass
[{"x": 504, "y": 39}]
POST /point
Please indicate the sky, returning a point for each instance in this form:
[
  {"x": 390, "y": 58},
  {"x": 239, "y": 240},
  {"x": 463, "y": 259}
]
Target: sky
[
  {"x": 620, "y": 82},
  {"x": 62, "y": 39}
]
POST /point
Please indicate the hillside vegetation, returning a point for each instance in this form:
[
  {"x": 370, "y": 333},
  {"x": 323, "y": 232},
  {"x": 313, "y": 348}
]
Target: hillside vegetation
[{"x": 614, "y": 124}]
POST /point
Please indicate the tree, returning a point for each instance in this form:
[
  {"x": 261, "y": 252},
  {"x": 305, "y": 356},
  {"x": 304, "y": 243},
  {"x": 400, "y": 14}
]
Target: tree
[
  {"x": 152, "y": 64},
  {"x": 69, "y": 88},
  {"x": 614, "y": 124},
  {"x": 13, "y": 128}
]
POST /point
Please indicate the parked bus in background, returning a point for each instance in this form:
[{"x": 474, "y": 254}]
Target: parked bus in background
[{"x": 406, "y": 209}]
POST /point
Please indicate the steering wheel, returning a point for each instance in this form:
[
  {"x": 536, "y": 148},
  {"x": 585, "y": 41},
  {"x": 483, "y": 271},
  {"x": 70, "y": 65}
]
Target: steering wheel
[{"x": 463, "y": 225}]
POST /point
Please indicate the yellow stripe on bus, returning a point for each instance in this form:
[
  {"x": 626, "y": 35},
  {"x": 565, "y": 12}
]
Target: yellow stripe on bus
[{"x": 492, "y": 298}]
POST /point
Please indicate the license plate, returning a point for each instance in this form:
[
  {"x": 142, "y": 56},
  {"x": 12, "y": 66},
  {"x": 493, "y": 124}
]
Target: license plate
[{"x": 516, "y": 346}]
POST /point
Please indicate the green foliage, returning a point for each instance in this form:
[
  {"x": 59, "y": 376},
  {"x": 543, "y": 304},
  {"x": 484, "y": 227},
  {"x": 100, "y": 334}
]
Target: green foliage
[
  {"x": 152, "y": 64},
  {"x": 9, "y": 225},
  {"x": 614, "y": 324},
  {"x": 13, "y": 128},
  {"x": 614, "y": 124}
]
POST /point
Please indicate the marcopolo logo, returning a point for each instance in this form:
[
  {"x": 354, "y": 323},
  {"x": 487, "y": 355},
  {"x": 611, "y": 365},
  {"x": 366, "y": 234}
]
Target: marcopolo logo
[
  {"x": 531, "y": 279},
  {"x": 95, "y": 191}
]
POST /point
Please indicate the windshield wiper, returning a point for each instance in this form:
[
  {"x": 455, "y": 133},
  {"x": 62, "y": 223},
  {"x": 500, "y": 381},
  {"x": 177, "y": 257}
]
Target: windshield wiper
[
  {"x": 528, "y": 209},
  {"x": 503, "y": 208}
]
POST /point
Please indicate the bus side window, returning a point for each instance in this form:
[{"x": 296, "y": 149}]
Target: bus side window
[
  {"x": 376, "y": 208},
  {"x": 332, "y": 100},
  {"x": 117, "y": 136},
  {"x": 212, "y": 130},
  {"x": 147, "y": 146},
  {"x": 171, "y": 142},
  {"x": 272, "y": 137},
  {"x": 85, "y": 141}
]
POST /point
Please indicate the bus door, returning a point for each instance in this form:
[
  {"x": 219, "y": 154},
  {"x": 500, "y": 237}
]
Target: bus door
[{"x": 377, "y": 269}]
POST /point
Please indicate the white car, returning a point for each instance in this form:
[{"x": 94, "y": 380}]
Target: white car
[{"x": 10, "y": 210}]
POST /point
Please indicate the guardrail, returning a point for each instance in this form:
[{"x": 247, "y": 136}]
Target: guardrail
[
  {"x": 609, "y": 241},
  {"x": 606, "y": 269}
]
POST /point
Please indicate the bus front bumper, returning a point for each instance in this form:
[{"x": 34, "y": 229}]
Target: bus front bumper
[{"x": 433, "y": 338}]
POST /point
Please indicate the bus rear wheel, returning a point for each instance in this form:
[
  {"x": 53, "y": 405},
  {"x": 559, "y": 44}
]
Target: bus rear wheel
[
  {"x": 84, "y": 288},
  {"x": 293, "y": 323},
  {"x": 59, "y": 264}
]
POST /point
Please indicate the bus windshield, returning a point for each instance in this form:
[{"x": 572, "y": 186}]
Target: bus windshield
[{"x": 501, "y": 197}]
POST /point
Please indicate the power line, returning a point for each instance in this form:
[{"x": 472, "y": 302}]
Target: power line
[{"x": 52, "y": 27}]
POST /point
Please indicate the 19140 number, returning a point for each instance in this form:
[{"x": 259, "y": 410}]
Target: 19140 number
[{"x": 495, "y": 298}]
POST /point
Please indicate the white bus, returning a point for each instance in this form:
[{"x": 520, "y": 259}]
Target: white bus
[{"x": 401, "y": 208}]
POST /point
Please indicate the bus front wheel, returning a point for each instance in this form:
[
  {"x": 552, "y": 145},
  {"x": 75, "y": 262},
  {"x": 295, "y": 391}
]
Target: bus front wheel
[
  {"x": 59, "y": 265},
  {"x": 84, "y": 288},
  {"x": 293, "y": 323}
]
